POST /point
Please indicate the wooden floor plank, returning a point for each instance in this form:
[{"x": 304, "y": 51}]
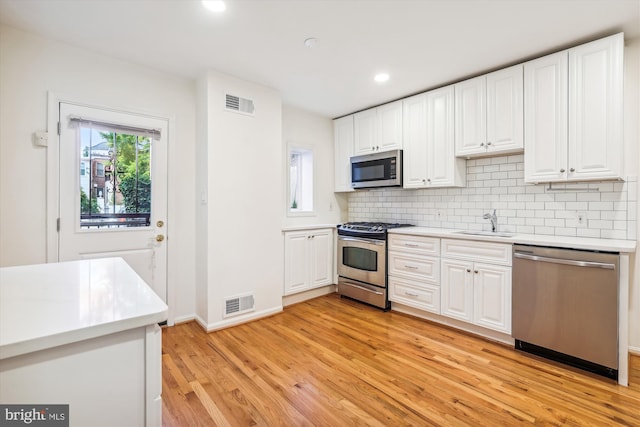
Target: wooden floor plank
[{"x": 335, "y": 362}]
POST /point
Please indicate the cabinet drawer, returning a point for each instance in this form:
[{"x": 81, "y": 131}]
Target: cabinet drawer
[
  {"x": 424, "y": 296},
  {"x": 473, "y": 250},
  {"x": 414, "y": 244},
  {"x": 417, "y": 267}
]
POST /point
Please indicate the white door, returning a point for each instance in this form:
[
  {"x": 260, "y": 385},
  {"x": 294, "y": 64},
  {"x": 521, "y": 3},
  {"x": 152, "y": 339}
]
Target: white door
[
  {"x": 415, "y": 142},
  {"x": 113, "y": 189},
  {"x": 595, "y": 109},
  {"x": 440, "y": 137},
  {"x": 471, "y": 116},
  {"x": 457, "y": 289},
  {"x": 492, "y": 297},
  {"x": 389, "y": 118},
  {"x": 505, "y": 109},
  {"x": 296, "y": 255},
  {"x": 545, "y": 118},
  {"x": 343, "y": 136},
  {"x": 365, "y": 131},
  {"x": 321, "y": 257}
]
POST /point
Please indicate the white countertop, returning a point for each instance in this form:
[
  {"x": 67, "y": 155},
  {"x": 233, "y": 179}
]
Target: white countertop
[
  {"x": 308, "y": 227},
  {"x": 609, "y": 245},
  {"x": 47, "y": 305}
]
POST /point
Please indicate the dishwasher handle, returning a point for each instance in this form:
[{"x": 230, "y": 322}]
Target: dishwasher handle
[{"x": 606, "y": 266}]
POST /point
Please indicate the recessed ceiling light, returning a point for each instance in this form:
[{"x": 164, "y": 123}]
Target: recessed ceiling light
[
  {"x": 381, "y": 78},
  {"x": 311, "y": 42},
  {"x": 214, "y": 6}
]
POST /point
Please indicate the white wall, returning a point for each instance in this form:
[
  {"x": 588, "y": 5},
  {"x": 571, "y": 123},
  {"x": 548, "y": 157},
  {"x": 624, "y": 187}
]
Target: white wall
[
  {"x": 301, "y": 128},
  {"x": 243, "y": 184},
  {"x": 632, "y": 140},
  {"x": 30, "y": 66}
]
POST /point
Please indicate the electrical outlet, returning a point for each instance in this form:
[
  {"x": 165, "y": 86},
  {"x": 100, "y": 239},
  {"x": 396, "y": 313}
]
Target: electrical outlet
[{"x": 581, "y": 219}]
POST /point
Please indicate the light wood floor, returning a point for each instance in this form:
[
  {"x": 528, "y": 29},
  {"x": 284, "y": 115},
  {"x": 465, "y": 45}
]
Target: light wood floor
[{"x": 333, "y": 362}]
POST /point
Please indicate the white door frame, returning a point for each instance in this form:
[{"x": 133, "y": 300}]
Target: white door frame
[{"x": 53, "y": 177}]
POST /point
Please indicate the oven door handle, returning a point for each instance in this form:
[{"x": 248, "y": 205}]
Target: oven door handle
[
  {"x": 360, "y": 240},
  {"x": 361, "y": 288}
]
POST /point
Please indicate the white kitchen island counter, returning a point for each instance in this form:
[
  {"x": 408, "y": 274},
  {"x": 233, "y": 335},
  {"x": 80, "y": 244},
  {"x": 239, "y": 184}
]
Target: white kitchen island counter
[{"x": 83, "y": 333}]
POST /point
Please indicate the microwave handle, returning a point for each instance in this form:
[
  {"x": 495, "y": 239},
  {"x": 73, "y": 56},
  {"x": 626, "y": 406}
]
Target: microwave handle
[{"x": 356, "y": 239}]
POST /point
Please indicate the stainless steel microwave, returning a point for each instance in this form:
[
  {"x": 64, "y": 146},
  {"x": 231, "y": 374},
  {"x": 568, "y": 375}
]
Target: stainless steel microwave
[{"x": 377, "y": 170}]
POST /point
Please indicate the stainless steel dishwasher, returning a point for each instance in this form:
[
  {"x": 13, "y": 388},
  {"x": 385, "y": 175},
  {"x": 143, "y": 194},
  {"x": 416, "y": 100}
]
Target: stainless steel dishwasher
[{"x": 565, "y": 306}]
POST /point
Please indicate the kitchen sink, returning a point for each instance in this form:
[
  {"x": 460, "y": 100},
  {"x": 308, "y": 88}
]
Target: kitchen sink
[{"x": 487, "y": 233}]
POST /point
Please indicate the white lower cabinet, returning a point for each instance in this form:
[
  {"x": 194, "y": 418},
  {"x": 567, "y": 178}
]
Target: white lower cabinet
[
  {"x": 414, "y": 271},
  {"x": 415, "y": 294},
  {"x": 308, "y": 259},
  {"x": 466, "y": 280},
  {"x": 474, "y": 289}
]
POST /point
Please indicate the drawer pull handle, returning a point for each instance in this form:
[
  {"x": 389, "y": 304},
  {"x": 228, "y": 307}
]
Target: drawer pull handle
[
  {"x": 411, "y": 245},
  {"x": 411, "y": 294},
  {"x": 410, "y": 267}
]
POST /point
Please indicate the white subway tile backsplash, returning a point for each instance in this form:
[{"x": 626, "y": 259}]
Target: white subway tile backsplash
[{"x": 498, "y": 183}]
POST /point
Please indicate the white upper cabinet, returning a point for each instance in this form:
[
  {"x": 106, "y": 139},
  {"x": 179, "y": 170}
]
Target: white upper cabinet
[
  {"x": 429, "y": 159},
  {"x": 378, "y": 129},
  {"x": 595, "y": 109},
  {"x": 573, "y": 113},
  {"x": 505, "y": 106},
  {"x": 488, "y": 114},
  {"x": 344, "y": 146},
  {"x": 545, "y": 88},
  {"x": 471, "y": 116}
]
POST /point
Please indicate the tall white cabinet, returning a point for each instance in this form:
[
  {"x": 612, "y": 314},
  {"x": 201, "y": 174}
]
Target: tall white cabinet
[
  {"x": 343, "y": 143},
  {"x": 573, "y": 113},
  {"x": 378, "y": 129},
  {"x": 488, "y": 114},
  {"x": 428, "y": 141},
  {"x": 308, "y": 259}
]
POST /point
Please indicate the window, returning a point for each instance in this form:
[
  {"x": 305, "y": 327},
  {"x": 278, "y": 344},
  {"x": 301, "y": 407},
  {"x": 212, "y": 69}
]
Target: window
[
  {"x": 100, "y": 169},
  {"x": 300, "y": 180}
]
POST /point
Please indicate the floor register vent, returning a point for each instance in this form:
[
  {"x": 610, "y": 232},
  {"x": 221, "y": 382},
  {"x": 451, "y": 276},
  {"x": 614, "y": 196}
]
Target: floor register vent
[
  {"x": 239, "y": 105},
  {"x": 238, "y": 305}
]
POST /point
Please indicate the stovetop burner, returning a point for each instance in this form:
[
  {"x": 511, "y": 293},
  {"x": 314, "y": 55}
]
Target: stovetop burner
[{"x": 373, "y": 230}]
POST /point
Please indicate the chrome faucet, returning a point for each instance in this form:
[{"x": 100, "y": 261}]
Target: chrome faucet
[{"x": 494, "y": 220}]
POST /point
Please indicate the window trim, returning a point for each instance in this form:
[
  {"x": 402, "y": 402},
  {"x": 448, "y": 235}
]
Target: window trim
[{"x": 291, "y": 148}]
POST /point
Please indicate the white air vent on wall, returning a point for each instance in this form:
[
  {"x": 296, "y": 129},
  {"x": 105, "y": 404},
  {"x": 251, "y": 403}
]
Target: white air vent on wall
[
  {"x": 238, "y": 305},
  {"x": 239, "y": 105}
]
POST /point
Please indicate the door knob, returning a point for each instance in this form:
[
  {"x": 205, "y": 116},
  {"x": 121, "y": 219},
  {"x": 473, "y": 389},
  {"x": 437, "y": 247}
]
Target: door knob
[
  {"x": 159, "y": 238},
  {"x": 160, "y": 224}
]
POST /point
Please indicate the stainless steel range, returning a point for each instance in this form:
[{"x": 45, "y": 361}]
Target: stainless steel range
[{"x": 362, "y": 262}]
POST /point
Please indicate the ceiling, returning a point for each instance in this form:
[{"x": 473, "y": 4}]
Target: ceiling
[{"x": 421, "y": 44}]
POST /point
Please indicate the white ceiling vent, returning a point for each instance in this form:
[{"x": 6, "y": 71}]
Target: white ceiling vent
[
  {"x": 239, "y": 105},
  {"x": 238, "y": 305}
]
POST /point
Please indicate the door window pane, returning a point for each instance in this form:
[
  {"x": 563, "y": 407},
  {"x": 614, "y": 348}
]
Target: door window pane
[{"x": 115, "y": 190}]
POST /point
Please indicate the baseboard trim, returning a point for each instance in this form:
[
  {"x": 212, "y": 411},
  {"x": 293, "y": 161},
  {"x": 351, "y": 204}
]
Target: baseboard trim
[
  {"x": 226, "y": 323},
  {"x": 463, "y": 326},
  {"x": 307, "y": 295},
  {"x": 184, "y": 319}
]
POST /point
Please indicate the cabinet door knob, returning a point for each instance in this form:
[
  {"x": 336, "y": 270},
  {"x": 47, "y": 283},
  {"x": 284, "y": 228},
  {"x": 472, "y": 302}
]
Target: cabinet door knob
[
  {"x": 482, "y": 144},
  {"x": 468, "y": 270},
  {"x": 572, "y": 170},
  {"x": 562, "y": 170},
  {"x": 475, "y": 271},
  {"x": 428, "y": 179},
  {"x": 424, "y": 180},
  {"x": 488, "y": 143}
]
